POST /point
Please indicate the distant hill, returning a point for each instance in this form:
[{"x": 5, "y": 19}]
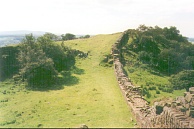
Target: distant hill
[
  {"x": 13, "y": 37},
  {"x": 21, "y": 33}
]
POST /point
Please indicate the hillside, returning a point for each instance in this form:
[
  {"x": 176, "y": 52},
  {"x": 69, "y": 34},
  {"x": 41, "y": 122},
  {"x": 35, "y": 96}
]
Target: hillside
[
  {"x": 49, "y": 83},
  {"x": 153, "y": 57},
  {"x": 89, "y": 94}
]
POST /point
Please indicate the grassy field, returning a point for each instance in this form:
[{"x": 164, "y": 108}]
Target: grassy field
[{"x": 89, "y": 95}]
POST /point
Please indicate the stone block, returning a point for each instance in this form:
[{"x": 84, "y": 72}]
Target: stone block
[
  {"x": 185, "y": 93},
  {"x": 187, "y": 105},
  {"x": 173, "y": 104},
  {"x": 187, "y": 113},
  {"x": 181, "y": 99},
  {"x": 191, "y": 124},
  {"x": 192, "y": 103},
  {"x": 191, "y": 90},
  {"x": 168, "y": 104},
  {"x": 188, "y": 98},
  {"x": 178, "y": 103}
]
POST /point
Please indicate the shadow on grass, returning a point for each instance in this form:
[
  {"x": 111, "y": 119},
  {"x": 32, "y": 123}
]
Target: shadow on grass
[
  {"x": 65, "y": 79},
  {"x": 77, "y": 70}
]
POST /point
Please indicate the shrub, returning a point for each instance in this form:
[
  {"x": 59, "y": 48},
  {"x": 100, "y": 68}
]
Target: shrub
[
  {"x": 152, "y": 88},
  {"x": 148, "y": 95},
  {"x": 131, "y": 70},
  {"x": 157, "y": 92},
  {"x": 183, "y": 79}
]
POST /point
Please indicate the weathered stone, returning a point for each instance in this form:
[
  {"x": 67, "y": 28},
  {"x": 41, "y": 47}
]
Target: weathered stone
[
  {"x": 188, "y": 112},
  {"x": 173, "y": 104},
  {"x": 83, "y": 126},
  {"x": 178, "y": 103},
  {"x": 191, "y": 90},
  {"x": 192, "y": 102},
  {"x": 168, "y": 104},
  {"x": 185, "y": 93},
  {"x": 191, "y": 124},
  {"x": 181, "y": 99},
  {"x": 188, "y": 98},
  {"x": 187, "y": 105}
]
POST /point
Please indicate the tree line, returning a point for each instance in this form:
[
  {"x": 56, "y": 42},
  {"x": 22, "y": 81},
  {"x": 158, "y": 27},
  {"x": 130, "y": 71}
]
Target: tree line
[
  {"x": 165, "y": 50},
  {"x": 65, "y": 37}
]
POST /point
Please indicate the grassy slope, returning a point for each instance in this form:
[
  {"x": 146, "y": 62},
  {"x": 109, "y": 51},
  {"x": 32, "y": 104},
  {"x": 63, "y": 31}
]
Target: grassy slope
[
  {"x": 143, "y": 75},
  {"x": 91, "y": 95}
]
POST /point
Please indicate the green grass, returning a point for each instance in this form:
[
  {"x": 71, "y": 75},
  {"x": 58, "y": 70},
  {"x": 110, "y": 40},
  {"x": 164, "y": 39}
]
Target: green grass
[
  {"x": 90, "y": 95},
  {"x": 142, "y": 77}
]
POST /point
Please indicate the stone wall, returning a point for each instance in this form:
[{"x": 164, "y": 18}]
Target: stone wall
[
  {"x": 173, "y": 114},
  {"x": 178, "y": 113},
  {"x": 139, "y": 106}
]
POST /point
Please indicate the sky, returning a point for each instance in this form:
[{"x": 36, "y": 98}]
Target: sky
[{"x": 95, "y": 16}]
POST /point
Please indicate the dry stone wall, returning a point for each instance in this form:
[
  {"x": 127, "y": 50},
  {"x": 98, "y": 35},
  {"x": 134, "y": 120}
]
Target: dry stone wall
[
  {"x": 178, "y": 113},
  {"x": 172, "y": 114}
]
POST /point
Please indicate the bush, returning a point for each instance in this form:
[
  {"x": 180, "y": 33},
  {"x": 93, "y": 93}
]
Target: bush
[
  {"x": 145, "y": 92},
  {"x": 157, "y": 92},
  {"x": 148, "y": 95},
  {"x": 8, "y": 62},
  {"x": 152, "y": 88},
  {"x": 131, "y": 70},
  {"x": 183, "y": 80},
  {"x": 144, "y": 56}
]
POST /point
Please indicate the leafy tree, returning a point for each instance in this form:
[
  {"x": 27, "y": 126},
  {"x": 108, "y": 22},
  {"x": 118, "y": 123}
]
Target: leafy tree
[
  {"x": 68, "y": 36},
  {"x": 61, "y": 56},
  {"x": 84, "y": 37},
  {"x": 144, "y": 56},
  {"x": 148, "y": 44},
  {"x": 173, "y": 34},
  {"x": 169, "y": 61},
  {"x": 44, "y": 41},
  {"x": 183, "y": 80},
  {"x": 162, "y": 48},
  {"x": 87, "y": 36},
  {"x": 35, "y": 66},
  {"x": 52, "y": 36}
]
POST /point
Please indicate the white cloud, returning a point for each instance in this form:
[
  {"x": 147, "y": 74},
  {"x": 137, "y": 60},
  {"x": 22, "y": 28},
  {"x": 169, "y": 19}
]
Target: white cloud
[{"x": 95, "y": 16}]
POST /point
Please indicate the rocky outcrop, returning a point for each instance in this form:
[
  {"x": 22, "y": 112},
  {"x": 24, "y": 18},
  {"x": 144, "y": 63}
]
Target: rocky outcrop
[{"x": 173, "y": 114}]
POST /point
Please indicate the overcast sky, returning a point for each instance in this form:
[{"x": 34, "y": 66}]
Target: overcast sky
[{"x": 95, "y": 16}]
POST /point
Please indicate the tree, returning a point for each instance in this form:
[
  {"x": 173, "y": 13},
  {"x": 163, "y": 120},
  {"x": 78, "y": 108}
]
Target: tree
[
  {"x": 87, "y": 36},
  {"x": 183, "y": 80},
  {"x": 35, "y": 66},
  {"x": 62, "y": 57},
  {"x": 148, "y": 44},
  {"x": 52, "y": 36},
  {"x": 68, "y": 36}
]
